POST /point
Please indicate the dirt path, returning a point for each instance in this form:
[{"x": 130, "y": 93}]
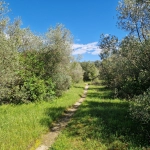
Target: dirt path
[{"x": 50, "y": 137}]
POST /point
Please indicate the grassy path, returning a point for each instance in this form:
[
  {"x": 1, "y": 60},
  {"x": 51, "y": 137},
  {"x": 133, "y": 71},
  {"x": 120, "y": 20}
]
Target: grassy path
[
  {"x": 103, "y": 123},
  {"x": 60, "y": 124},
  {"x": 22, "y": 125}
]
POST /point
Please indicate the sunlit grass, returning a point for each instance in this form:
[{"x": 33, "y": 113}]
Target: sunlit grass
[
  {"x": 22, "y": 125},
  {"x": 103, "y": 123}
]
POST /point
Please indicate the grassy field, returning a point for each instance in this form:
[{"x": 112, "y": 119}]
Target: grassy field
[
  {"x": 21, "y": 126},
  {"x": 103, "y": 123}
]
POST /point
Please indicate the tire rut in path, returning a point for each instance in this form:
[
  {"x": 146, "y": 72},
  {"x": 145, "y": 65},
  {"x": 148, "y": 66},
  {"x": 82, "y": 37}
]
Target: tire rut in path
[{"x": 49, "y": 138}]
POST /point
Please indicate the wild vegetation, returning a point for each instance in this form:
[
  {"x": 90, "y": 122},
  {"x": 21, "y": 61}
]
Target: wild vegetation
[
  {"x": 21, "y": 126},
  {"x": 103, "y": 123},
  {"x": 125, "y": 64},
  {"x": 35, "y": 70},
  {"x": 34, "y": 67},
  {"x": 90, "y": 70}
]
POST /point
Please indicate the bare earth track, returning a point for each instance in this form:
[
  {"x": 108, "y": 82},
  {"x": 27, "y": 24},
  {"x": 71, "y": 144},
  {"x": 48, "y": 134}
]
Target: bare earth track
[{"x": 58, "y": 126}]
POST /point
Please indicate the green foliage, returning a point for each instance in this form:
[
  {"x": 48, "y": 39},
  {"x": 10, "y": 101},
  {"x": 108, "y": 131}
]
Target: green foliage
[
  {"x": 21, "y": 126},
  {"x": 90, "y": 71},
  {"x": 97, "y": 64},
  {"x": 62, "y": 83},
  {"x": 103, "y": 123},
  {"x": 140, "y": 107},
  {"x": 76, "y": 72},
  {"x": 127, "y": 71},
  {"x": 57, "y": 57},
  {"x": 132, "y": 19},
  {"x": 36, "y": 89},
  {"x": 108, "y": 44},
  {"x": 9, "y": 66},
  {"x": 125, "y": 64},
  {"x": 33, "y": 67}
]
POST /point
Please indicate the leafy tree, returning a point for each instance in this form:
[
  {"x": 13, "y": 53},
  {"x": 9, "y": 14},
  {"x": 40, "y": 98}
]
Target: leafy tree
[
  {"x": 123, "y": 70},
  {"x": 90, "y": 71},
  {"x": 97, "y": 64},
  {"x": 109, "y": 45},
  {"x": 57, "y": 57},
  {"x": 9, "y": 60},
  {"x": 125, "y": 64},
  {"x": 76, "y": 72},
  {"x": 3, "y": 18},
  {"x": 34, "y": 67},
  {"x": 134, "y": 16}
]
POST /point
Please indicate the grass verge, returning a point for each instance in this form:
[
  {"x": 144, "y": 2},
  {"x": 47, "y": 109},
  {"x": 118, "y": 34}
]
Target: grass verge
[
  {"x": 22, "y": 125},
  {"x": 103, "y": 123}
]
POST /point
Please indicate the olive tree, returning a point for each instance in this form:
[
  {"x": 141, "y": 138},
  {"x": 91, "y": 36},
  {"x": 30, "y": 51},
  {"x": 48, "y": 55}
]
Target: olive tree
[
  {"x": 90, "y": 71},
  {"x": 58, "y": 55},
  {"x": 76, "y": 72},
  {"x": 9, "y": 64},
  {"x": 125, "y": 64},
  {"x": 134, "y": 17}
]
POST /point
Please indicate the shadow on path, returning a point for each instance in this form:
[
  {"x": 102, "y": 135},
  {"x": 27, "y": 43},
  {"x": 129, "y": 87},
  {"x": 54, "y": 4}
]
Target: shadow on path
[
  {"x": 109, "y": 122},
  {"x": 61, "y": 120}
]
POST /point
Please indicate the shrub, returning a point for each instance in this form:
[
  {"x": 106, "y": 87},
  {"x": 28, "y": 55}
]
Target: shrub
[
  {"x": 30, "y": 90},
  {"x": 62, "y": 82},
  {"x": 140, "y": 107}
]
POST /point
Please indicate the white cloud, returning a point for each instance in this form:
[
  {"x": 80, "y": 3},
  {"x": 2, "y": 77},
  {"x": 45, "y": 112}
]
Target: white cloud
[
  {"x": 91, "y": 48},
  {"x": 97, "y": 52}
]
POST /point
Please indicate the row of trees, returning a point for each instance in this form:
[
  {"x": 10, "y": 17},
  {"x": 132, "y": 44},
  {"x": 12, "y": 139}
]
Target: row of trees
[
  {"x": 34, "y": 67},
  {"x": 125, "y": 64}
]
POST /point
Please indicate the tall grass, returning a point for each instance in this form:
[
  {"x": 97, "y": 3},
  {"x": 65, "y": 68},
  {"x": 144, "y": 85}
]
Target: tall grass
[
  {"x": 103, "y": 123},
  {"x": 22, "y": 125}
]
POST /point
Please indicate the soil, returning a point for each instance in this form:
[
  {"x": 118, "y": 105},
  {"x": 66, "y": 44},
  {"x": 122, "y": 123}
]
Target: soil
[{"x": 49, "y": 138}]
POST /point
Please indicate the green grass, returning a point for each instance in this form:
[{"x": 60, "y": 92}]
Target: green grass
[
  {"x": 21, "y": 126},
  {"x": 103, "y": 123}
]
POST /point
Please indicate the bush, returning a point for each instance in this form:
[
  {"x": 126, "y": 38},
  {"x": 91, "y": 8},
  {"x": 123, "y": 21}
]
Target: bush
[
  {"x": 62, "y": 82},
  {"x": 140, "y": 107},
  {"x": 29, "y": 90},
  {"x": 36, "y": 89},
  {"x": 76, "y": 72}
]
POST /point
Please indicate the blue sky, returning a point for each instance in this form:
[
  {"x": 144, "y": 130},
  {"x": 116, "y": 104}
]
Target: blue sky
[{"x": 86, "y": 19}]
